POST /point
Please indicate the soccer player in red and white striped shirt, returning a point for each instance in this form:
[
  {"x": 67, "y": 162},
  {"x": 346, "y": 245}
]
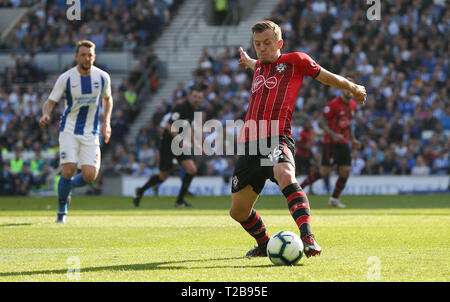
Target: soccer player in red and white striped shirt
[
  {"x": 275, "y": 87},
  {"x": 336, "y": 122}
]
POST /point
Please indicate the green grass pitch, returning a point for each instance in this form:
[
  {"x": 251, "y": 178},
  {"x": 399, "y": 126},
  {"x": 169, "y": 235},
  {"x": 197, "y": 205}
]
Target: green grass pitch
[{"x": 376, "y": 238}]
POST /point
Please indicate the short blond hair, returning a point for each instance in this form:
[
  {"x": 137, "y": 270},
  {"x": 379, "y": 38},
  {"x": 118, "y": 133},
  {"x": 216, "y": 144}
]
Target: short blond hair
[
  {"x": 85, "y": 43},
  {"x": 264, "y": 25}
]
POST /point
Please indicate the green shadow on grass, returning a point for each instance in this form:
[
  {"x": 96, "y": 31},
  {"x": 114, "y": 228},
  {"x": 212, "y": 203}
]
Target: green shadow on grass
[
  {"x": 14, "y": 224},
  {"x": 168, "y": 265}
]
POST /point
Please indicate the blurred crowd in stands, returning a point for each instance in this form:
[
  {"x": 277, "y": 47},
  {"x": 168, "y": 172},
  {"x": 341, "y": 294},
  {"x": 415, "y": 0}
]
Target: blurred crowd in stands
[
  {"x": 402, "y": 59},
  {"x": 121, "y": 25}
]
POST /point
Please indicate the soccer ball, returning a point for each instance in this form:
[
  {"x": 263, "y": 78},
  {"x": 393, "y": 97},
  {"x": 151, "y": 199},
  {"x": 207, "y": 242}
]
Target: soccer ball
[{"x": 285, "y": 248}]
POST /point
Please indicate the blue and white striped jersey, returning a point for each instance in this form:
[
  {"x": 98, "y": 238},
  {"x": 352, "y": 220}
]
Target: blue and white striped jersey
[{"x": 83, "y": 100}]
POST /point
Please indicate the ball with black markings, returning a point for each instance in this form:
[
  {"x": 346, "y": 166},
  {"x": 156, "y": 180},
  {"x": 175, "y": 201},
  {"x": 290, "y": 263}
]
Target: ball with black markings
[{"x": 285, "y": 248}]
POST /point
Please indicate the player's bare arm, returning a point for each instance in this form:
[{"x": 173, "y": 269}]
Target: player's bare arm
[
  {"x": 323, "y": 123},
  {"x": 107, "y": 104},
  {"x": 245, "y": 60},
  {"x": 337, "y": 81},
  {"x": 46, "y": 111}
]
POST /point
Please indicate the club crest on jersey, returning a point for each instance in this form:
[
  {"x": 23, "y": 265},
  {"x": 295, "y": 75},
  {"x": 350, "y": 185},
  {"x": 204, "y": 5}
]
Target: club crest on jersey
[
  {"x": 280, "y": 68},
  {"x": 235, "y": 182},
  {"x": 96, "y": 84}
]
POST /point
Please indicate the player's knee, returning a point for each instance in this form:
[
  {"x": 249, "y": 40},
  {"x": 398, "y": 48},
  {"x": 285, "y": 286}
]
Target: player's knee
[
  {"x": 192, "y": 170},
  {"x": 324, "y": 172},
  {"x": 238, "y": 215},
  {"x": 89, "y": 177},
  {"x": 163, "y": 175},
  {"x": 68, "y": 171},
  {"x": 345, "y": 173},
  {"x": 284, "y": 177}
]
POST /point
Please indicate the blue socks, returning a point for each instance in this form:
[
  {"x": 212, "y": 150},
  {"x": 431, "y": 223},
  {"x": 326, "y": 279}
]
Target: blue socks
[
  {"x": 78, "y": 181},
  {"x": 64, "y": 188}
]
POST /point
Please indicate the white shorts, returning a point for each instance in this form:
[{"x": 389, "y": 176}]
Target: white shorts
[{"x": 79, "y": 149}]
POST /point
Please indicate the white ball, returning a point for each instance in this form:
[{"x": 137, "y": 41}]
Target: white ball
[{"x": 285, "y": 248}]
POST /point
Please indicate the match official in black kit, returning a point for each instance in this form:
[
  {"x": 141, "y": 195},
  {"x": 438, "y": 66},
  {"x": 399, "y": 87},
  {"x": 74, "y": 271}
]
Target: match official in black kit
[{"x": 182, "y": 112}]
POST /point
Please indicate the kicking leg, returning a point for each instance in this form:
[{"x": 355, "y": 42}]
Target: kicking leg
[{"x": 298, "y": 206}]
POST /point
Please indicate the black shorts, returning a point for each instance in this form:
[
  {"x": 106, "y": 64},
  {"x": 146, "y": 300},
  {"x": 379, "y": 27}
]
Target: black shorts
[
  {"x": 336, "y": 154},
  {"x": 254, "y": 170},
  {"x": 166, "y": 156}
]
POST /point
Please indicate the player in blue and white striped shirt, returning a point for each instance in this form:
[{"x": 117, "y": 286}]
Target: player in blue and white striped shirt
[{"x": 85, "y": 87}]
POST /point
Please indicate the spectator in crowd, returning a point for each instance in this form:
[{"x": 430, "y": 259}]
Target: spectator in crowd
[
  {"x": 357, "y": 163},
  {"x": 403, "y": 167},
  {"x": 388, "y": 166},
  {"x": 24, "y": 181},
  {"x": 7, "y": 181},
  {"x": 420, "y": 168},
  {"x": 111, "y": 26},
  {"x": 441, "y": 164},
  {"x": 17, "y": 163}
]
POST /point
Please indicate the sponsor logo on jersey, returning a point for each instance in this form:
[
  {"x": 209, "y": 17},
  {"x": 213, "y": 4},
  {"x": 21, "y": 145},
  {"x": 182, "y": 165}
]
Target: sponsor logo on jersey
[
  {"x": 271, "y": 82},
  {"x": 260, "y": 81}
]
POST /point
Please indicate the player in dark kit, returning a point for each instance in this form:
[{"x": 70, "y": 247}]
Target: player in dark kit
[
  {"x": 303, "y": 153},
  {"x": 183, "y": 111},
  {"x": 276, "y": 84},
  {"x": 336, "y": 122}
]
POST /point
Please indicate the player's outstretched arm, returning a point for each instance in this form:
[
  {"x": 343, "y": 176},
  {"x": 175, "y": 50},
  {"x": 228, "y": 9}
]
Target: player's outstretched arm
[
  {"x": 245, "y": 60},
  {"x": 107, "y": 104},
  {"x": 46, "y": 111},
  {"x": 337, "y": 81}
]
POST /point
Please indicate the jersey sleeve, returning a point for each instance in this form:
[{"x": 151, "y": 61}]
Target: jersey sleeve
[
  {"x": 165, "y": 120},
  {"x": 58, "y": 89},
  {"x": 106, "y": 92},
  {"x": 307, "y": 65}
]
